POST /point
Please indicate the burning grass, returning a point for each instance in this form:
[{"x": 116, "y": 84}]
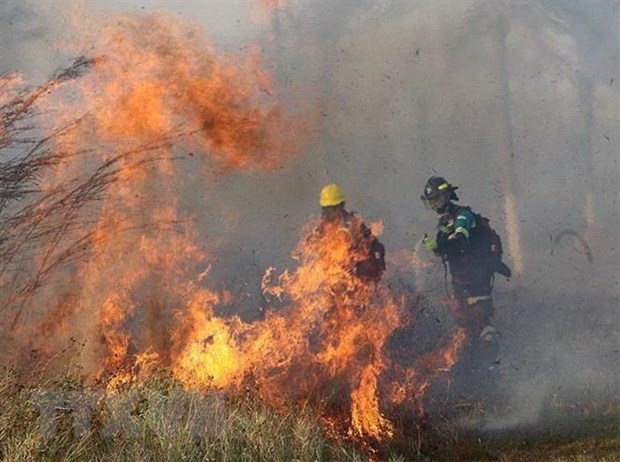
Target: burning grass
[
  {"x": 135, "y": 292},
  {"x": 103, "y": 219},
  {"x": 100, "y": 250}
]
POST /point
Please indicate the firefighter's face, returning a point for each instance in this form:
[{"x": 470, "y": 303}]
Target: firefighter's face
[
  {"x": 436, "y": 203},
  {"x": 333, "y": 213}
]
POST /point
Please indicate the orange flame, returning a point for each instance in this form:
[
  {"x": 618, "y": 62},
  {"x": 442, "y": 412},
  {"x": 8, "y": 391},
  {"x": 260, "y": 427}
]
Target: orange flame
[
  {"x": 161, "y": 91},
  {"x": 157, "y": 91},
  {"x": 322, "y": 336}
]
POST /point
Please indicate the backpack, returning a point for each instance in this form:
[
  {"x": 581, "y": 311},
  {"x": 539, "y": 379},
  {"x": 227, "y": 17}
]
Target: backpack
[{"x": 487, "y": 246}]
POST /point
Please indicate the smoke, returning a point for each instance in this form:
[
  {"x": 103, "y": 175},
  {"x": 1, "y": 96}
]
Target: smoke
[
  {"x": 503, "y": 99},
  {"x": 24, "y": 34}
]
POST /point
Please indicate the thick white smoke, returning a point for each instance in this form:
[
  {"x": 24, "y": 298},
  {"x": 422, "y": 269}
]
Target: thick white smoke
[{"x": 495, "y": 96}]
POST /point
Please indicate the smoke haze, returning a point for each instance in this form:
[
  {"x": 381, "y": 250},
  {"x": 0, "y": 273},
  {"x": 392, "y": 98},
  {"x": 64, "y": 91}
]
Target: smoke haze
[{"x": 505, "y": 99}]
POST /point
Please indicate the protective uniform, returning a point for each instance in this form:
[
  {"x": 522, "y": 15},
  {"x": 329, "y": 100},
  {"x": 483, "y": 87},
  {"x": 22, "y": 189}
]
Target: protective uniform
[
  {"x": 455, "y": 242},
  {"x": 472, "y": 251},
  {"x": 471, "y": 279}
]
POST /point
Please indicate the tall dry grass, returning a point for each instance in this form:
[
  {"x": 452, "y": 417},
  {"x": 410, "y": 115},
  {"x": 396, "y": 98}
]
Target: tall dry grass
[{"x": 152, "y": 420}]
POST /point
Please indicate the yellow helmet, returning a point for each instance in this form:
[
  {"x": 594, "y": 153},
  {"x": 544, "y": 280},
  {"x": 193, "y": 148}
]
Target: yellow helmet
[{"x": 331, "y": 195}]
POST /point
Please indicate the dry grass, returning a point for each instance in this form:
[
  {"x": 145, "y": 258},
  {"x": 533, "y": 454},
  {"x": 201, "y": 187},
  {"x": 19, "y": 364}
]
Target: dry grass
[{"x": 156, "y": 420}]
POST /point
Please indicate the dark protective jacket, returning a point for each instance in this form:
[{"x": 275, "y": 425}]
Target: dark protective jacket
[
  {"x": 373, "y": 266},
  {"x": 456, "y": 243}
]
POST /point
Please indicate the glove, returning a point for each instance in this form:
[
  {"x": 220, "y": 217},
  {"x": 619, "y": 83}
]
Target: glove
[{"x": 429, "y": 242}]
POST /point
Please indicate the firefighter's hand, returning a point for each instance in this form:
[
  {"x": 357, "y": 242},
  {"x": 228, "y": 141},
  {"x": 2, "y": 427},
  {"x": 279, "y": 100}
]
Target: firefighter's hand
[{"x": 429, "y": 242}]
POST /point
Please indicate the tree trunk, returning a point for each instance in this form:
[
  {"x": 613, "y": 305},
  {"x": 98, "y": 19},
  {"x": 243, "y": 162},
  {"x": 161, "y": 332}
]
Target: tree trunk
[{"x": 507, "y": 154}]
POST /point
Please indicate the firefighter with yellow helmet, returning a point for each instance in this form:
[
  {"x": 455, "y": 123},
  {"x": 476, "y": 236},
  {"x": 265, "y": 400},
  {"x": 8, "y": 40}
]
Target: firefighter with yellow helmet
[{"x": 333, "y": 213}]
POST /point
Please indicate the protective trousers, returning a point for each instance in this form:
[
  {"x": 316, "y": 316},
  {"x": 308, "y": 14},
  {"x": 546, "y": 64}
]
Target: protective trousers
[{"x": 474, "y": 313}]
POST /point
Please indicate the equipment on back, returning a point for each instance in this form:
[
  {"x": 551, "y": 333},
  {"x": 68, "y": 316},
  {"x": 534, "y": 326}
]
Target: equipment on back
[
  {"x": 331, "y": 195},
  {"x": 486, "y": 245}
]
